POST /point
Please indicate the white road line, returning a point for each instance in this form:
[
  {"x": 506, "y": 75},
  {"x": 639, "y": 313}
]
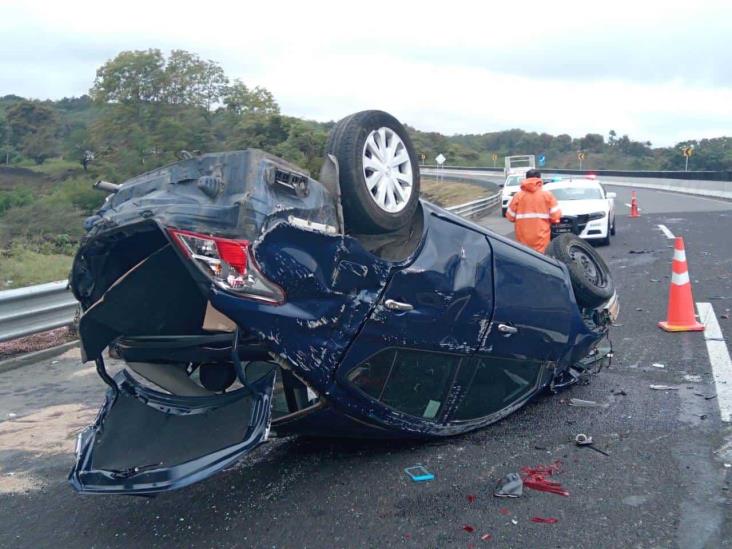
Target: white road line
[
  {"x": 719, "y": 359},
  {"x": 665, "y": 231}
]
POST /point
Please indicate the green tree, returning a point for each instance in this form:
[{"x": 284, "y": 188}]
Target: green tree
[
  {"x": 132, "y": 77},
  {"x": 240, "y": 100},
  {"x": 6, "y": 149},
  {"x": 190, "y": 80},
  {"x": 34, "y": 129}
]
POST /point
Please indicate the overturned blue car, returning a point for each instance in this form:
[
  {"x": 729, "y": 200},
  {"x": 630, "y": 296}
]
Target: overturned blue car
[{"x": 248, "y": 299}]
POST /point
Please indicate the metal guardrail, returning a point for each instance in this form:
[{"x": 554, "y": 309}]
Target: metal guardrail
[
  {"x": 34, "y": 309},
  {"x": 480, "y": 206}
]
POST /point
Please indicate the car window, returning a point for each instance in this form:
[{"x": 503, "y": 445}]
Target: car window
[
  {"x": 513, "y": 180},
  {"x": 371, "y": 375},
  {"x": 577, "y": 193},
  {"x": 413, "y": 382},
  {"x": 496, "y": 383}
]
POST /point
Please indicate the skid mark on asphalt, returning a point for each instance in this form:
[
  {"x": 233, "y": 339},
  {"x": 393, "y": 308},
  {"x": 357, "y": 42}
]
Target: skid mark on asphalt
[{"x": 719, "y": 359}]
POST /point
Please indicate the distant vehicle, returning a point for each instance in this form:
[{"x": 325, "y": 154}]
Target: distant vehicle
[
  {"x": 510, "y": 188},
  {"x": 518, "y": 164},
  {"x": 245, "y": 296},
  {"x": 587, "y": 209}
]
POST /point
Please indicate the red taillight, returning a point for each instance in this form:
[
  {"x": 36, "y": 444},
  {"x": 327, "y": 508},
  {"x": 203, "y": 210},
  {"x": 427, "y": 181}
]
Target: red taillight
[
  {"x": 234, "y": 252},
  {"x": 228, "y": 263}
]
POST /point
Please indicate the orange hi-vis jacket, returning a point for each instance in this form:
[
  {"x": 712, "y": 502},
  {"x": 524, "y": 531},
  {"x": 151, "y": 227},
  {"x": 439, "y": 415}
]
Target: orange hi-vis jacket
[{"x": 533, "y": 210}]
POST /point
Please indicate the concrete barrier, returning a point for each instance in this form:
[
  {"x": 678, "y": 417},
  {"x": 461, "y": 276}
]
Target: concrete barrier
[
  {"x": 642, "y": 180},
  {"x": 715, "y": 189}
]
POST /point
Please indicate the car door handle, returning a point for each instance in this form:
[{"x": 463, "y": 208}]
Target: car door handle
[
  {"x": 397, "y": 305},
  {"x": 506, "y": 329}
]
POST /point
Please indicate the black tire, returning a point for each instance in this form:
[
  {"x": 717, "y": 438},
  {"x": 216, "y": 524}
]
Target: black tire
[
  {"x": 612, "y": 228},
  {"x": 503, "y": 212},
  {"x": 361, "y": 210},
  {"x": 590, "y": 275}
]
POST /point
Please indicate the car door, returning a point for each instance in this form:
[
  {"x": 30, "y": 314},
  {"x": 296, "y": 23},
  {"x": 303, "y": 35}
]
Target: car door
[
  {"x": 528, "y": 332},
  {"x": 432, "y": 314}
]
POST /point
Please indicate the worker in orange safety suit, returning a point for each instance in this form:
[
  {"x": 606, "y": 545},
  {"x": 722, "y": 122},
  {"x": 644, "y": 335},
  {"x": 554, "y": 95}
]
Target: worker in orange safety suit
[{"x": 533, "y": 210}]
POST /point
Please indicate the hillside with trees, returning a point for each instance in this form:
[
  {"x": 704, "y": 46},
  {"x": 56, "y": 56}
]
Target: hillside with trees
[{"x": 144, "y": 107}]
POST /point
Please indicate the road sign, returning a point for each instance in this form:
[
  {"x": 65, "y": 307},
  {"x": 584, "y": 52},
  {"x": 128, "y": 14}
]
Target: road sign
[
  {"x": 687, "y": 151},
  {"x": 581, "y": 156},
  {"x": 423, "y": 157},
  {"x": 494, "y": 157},
  {"x": 541, "y": 159},
  {"x": 440, "y": 159}
]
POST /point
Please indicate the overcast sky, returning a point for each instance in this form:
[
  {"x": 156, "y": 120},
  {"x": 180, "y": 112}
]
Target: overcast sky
[{"x": 659, "y": 71}]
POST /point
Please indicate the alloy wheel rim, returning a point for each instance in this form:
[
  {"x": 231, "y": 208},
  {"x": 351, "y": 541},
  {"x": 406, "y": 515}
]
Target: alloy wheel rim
[{"x": 387, "y": 170}]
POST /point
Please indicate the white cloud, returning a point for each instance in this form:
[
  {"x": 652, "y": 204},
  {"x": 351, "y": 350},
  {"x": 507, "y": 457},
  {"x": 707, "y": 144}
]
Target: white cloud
[{"x": 656, "y": 73}]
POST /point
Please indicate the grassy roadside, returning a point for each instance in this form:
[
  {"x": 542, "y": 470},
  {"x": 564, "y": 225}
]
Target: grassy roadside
[
  {"x": 451, "y": 193},
  {"x": 22, "y": 267}
]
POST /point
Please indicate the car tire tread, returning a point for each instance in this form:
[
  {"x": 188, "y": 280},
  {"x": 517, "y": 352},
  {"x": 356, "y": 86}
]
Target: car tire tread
[
  {"x": 361, "y": 213},
  {"x": 587, "y": 293}
]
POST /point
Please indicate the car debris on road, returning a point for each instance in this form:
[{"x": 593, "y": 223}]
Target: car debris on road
[
  {"x": 536, "y": 478},
  {"x": 544, "y": 520},
  {"x": 583, "y": 440},
  {"x": 580, "y": 403},
  {"x": 510, "y": 486},
  {"x": 419, "y": 473}
]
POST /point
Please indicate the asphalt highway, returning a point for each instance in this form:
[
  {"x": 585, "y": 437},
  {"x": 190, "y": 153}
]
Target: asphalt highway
[{"x": 665, "y": 482}]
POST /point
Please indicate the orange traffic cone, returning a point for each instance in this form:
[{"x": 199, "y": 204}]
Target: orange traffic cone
[
  {"x": 680, "y": 315},
  {"x": 634, "y": 206}
]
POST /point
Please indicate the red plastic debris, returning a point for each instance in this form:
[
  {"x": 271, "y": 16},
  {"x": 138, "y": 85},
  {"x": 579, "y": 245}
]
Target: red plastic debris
[
  {"x": 504, "y": 511},
  {"x": 472, "y": 498},
  {"x": 486, "y": 537},
  {"x": 407, "y": 536},
  {"x": 548, "y": 470},
  {"x": 469, "y": 529},
  {"x": 544, "y": 520},
  {"x": 536, "y": 478}
]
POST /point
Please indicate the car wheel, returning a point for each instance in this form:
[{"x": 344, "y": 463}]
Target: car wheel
[
  {"x": 503, "y": 212},
  {"x": 612, "y": 228},
  {"x": 379, "y": 172},
  {"x": 588, "y": 272}
]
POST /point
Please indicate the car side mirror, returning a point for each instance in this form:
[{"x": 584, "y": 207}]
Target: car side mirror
[{"x": 611, "y": 195}]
